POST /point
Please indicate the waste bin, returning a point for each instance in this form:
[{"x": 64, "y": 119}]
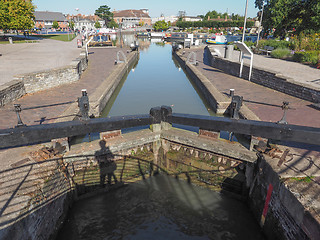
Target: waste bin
[{"x": 229, "y": 51}]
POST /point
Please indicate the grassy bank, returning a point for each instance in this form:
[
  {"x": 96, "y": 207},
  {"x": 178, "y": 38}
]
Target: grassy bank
[{"x": 59, "y": 37}]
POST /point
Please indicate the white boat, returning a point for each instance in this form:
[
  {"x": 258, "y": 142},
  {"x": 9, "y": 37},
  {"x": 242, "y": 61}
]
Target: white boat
[
  {"x": 217, "y": 39},
  {"x": 158, "y": 34}
]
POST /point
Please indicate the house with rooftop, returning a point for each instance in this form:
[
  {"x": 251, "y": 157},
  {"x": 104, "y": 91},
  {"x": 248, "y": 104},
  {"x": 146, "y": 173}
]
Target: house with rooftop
[
  {"x": 132, "y": 18},
  {"x": 45, "y": 19}
]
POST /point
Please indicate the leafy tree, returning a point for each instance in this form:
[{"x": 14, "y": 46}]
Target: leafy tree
[
  {"x": 97, "y": 24},
  {"x": 55, "y": 24},
  {"x": 104, "y": 13},
  {"x": 286, "y": 15},
  {"x": 160, "y": 25},
  {"x": 214, "y": 15},
  {"x": 16, "y": 14},
  {"x": 71, "y": 24},
  {"x": 112, "y": 24}
]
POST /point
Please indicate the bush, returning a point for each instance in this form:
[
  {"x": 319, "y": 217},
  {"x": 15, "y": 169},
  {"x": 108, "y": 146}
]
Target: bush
[
  {"x": 275, "y": 44},
  {"x": 281, "y": 53},
  {"x": 307, "y": 57},
  {"x": 306, "y": 42}
]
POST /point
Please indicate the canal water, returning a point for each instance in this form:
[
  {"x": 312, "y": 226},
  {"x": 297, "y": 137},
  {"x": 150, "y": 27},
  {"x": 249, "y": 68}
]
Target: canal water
[
  {"x": 156, "y": 80},
  {"x": 160, "y": 207}
]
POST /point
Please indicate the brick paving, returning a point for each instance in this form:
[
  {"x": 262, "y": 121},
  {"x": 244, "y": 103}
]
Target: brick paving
[{"x": 101, "y": 64}]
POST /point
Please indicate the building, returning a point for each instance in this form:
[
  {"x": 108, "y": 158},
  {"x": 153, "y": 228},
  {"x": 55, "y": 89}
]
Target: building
[
  {"x": 45, "y": 19},
  {"x": 85, "y": 22},
  {"x": 132, "y": 18},
  {"x": 171, "y": 19},
  {"x": 192, "y": 19}
]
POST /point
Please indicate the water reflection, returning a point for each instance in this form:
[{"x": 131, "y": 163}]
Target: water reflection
[
  {"x": 160, "y": 207},
  {"x": 157, "y": 81}
]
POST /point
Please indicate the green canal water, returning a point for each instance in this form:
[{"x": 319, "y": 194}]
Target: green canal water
[
  {"x": 160, "y": 207},
  {"x": 156, "y": 80}
]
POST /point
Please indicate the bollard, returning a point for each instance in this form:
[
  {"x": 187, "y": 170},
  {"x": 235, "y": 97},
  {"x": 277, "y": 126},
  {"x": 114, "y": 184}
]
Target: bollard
[{"x": 231, "y": 93}]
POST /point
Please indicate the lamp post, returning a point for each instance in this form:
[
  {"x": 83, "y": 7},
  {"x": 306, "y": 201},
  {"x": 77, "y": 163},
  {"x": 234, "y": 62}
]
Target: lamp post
[
  {"x": 245, "y": 22},
  {"x": 260, "y": 23},
  {"x": 77, "y": 9}
]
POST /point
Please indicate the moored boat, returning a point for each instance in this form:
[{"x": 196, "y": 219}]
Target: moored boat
[{"x": 217, "y": 39}]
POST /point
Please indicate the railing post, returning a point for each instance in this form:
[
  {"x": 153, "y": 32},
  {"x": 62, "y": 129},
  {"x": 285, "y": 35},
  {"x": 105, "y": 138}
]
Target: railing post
[
  {"x": 17, "y": 109},
  {"x": 83, "y": 104},
  {"x": 160, "y": 118}
]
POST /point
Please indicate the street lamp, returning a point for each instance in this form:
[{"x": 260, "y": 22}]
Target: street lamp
[
  {"x": 245, "y": 22},
  {"x": 77, "y": 9},
  {"x": 260, "y": 23}
]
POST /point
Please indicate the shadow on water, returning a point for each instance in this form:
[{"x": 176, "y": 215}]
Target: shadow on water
[{"x": 160, "y": 207}]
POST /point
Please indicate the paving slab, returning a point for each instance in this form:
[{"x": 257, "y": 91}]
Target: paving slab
[
  {"x": 264, "y": 102},
  {"x": 21, "y": 58},
  {"x": 101, "y": 64},
  {"x": 301, "y": 73}
]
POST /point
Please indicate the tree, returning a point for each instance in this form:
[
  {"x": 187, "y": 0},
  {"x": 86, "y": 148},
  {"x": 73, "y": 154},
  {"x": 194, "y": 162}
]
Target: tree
[
  {"x": 104, "y": 13},
  {"x": 285, "y": 15},
  {"x": 113, "y": 24},
  {"x": 16, "y": 14},
  {"x": 160, "y": 25},
  {"x": 71, "y": 24},
  {"x": 97, "y": 24},
  {"x": 55, "y": 24}
]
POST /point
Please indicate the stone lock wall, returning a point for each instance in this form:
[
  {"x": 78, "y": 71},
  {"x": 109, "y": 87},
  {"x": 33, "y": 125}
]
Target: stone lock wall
[
  {"x": 286, "y": 217},
  {"x": 33, "y": 82},
  {"x": 39, "y": 81}
]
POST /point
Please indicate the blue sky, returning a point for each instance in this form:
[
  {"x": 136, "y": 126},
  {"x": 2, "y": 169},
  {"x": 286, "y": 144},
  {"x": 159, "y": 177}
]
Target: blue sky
[{"x": 167, "y": 7}]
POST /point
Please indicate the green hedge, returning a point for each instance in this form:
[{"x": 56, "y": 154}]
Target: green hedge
[{"x": 307, "y": 57}]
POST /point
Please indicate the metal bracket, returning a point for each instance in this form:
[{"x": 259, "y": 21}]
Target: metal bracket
[
  {"x": 235, "y": 106},
  {"x": 83, "y": 104},
  {"x": 17, "y": 109}
]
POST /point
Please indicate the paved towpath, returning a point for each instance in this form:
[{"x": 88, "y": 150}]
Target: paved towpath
[
  {"x": 46, "y": 54},
  {"x": 264, "y": 102},
  {"x": 101, "y": 64},
  {"x": 301, "y": 73}
]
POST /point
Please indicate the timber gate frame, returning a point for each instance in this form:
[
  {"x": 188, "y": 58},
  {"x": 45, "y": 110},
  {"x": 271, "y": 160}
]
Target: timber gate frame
[{"x": 25, "y": 135}]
